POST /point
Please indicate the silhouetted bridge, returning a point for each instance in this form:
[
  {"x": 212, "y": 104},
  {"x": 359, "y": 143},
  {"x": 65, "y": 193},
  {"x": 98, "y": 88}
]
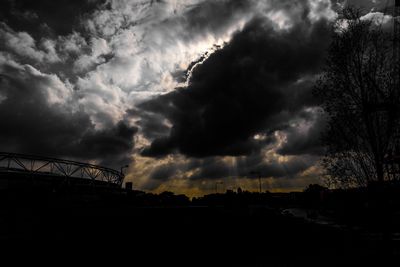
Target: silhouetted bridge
[{"x": 45, "y": 168}]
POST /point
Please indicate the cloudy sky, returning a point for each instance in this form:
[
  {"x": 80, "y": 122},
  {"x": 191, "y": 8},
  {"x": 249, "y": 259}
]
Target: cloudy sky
[{"x": 187, "y": 92}]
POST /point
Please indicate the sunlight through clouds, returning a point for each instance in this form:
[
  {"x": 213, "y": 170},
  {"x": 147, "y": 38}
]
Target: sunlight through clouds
[{"x": 178, "y": 77}]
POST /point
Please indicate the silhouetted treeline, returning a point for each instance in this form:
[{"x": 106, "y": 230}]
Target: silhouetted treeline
[
  {"x": 375, "y": 206},
  {"x": 140, "y": 198},
  {"x": 232, "y": 223}
]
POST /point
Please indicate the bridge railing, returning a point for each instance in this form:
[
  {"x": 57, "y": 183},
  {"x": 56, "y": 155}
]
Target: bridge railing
[{"x": 12, "y": 162}]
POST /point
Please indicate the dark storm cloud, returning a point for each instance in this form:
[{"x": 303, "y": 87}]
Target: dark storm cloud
[
  {"x": 249, "y": 86},
  {"x": 209, "y": 168},
  {"x": 46, "y": 17},
  {"x": 30, "y": 124},
  {"x": 273, "y": 168},
  {"x": 151, "y": 124},
  {"x": 305, "y": 141},
  {"x": 112, "y": 145},
  {"x": 164, "y": 172}
]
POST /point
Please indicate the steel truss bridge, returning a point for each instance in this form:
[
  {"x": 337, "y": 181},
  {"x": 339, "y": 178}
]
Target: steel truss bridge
[{"x": 44, "y": 166}]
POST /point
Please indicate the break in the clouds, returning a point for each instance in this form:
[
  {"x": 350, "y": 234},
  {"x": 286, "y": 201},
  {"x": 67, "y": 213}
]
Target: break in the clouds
[{"x": 187, "y": 92}]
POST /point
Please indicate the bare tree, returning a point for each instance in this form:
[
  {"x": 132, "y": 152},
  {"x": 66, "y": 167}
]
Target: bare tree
[{"x": 359, "y": 93}]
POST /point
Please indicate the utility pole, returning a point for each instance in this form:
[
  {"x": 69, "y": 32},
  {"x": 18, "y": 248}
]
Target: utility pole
[{"x": 259, "y": 178}]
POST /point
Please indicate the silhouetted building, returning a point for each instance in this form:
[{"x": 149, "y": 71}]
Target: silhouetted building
[{"x": 128, "y": 186}]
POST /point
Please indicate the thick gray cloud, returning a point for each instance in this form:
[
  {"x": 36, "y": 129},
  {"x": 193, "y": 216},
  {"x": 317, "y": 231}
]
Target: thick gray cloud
[
  {"x": 214, "y": 16},
  {"x": 68, "y": 69},
  {"x": 252, "y": 85},
  {"x": 251, "y": 100},
  {"x": 164, "y": 172},
  {"x": 37, "y": 118},
  {"x": 369, "y": 5},
  {"x": 305, "y": 137},
  {"x": 46, "y": 17},
  {"x": 195, "y": 79}
]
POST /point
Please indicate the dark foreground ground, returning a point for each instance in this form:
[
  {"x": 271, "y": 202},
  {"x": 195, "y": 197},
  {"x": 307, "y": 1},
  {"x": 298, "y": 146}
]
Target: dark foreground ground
[{"x": 71, "y": 231}]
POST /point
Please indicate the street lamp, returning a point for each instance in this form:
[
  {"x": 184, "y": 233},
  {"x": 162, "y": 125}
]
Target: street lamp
[{"x": 259, "y": 177}]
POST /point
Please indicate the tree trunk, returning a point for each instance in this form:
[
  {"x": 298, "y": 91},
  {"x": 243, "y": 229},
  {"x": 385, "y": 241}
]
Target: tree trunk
[{"x": 379, "y": 170}]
